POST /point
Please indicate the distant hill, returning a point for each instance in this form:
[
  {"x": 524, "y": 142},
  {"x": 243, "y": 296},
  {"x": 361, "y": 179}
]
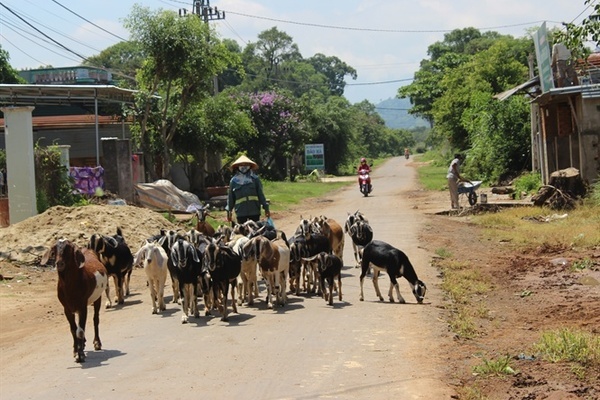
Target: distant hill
[{"x": 395, "y": 114}]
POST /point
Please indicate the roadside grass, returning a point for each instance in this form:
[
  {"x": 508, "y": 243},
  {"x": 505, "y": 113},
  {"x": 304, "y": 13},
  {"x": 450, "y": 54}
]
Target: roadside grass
[
  {"x": 529, "y": 228},
  {"x": 462, "y": 284},
  {"x": 498, "y": 367},
  {"x": 432, "y": 175},
  {"x": 522, "y": 229},
  {"x": 570, "y": 345},
  {"x": 282, "y": 196}
]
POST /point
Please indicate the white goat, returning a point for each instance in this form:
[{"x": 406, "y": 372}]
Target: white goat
[{"x": 153, "y": 258}]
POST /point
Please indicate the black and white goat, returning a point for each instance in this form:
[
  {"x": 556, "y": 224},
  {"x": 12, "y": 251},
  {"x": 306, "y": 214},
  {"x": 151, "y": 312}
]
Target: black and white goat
[
  {"x": 361, "y": 233},
  {"x": 384, "y": 257},
  {"x": 187, "y": 266},
  {"x": 224, "y": 265},
  {"x": 116, "y": 256},
  {"x": 167, "y": 239}
]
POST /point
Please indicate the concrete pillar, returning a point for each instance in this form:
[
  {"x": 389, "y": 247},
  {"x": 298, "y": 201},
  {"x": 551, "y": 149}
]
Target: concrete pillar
[
  {"x": 20, "y": 165},
  {"x": 118, "y": 174}
]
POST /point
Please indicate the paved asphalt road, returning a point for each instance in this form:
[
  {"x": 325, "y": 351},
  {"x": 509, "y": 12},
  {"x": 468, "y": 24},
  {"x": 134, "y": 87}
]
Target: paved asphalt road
[{"x": 305, "y": 350}]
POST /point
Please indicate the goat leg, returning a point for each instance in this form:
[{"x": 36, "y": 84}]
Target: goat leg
[{"x": 376, "y": 284}]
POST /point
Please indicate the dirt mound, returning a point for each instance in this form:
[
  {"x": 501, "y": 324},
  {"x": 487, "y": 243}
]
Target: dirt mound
[{"x": 26, "y": 241}]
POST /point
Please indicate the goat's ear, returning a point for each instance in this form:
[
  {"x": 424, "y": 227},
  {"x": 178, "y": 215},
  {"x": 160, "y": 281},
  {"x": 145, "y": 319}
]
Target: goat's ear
[
  {"x": 48, "y": 255},
  {"x": 194, "y": 254},
  {"x": 313, "y": 258},
  {"x": 80, "y": 258},
  {"x": 139, "y": 256},
  {"x": 111, "y": 241}
]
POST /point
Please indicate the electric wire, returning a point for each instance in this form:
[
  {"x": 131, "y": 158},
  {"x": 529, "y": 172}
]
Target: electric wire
[
  {"x": 42, "y": 33},
  {"x": 16, "y": 47},
  {"x": 58, "y": 32},
  {"x": 36, "y": 39},
  {"x": 348, "y": 28},
  {"x": 90, "y": 22}
]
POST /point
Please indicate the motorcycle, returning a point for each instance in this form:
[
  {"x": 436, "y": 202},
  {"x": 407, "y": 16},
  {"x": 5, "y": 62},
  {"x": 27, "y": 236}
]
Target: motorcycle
[{"x": 364, "y": 181}]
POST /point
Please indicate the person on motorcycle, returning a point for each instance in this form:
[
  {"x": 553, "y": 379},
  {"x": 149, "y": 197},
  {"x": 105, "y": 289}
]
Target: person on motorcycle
[{"x": 363, "y": 166}]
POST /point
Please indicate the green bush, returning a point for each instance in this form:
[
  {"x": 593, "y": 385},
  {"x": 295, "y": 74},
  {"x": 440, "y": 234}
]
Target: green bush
[
  {"x": 526, "y": 184},
  {"x": 594, "y": 194},
  {"x": 53, "y": 184}
]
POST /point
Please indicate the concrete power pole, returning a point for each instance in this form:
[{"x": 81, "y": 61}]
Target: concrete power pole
[
  {"x": 211, "y": 160},
  {"x": 203, "y": 9}
]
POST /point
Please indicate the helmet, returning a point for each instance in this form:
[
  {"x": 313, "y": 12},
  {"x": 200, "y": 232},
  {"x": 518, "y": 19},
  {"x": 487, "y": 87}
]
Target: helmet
[{"x": 363, "y": 160}]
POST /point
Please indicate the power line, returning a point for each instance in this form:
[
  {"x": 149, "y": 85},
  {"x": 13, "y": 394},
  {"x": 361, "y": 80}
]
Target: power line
[
  {"x": 380, "y": 82},
  {"x": 348, "y": 28},
  {"x": 57, "y": 32},
  {"x": 36, "y": 39},
  {"x": 27, "y": 54},
  {"x": 88, "y": 21},
  {"x": 42, "y": 33},
  {"x": 392, "y": 109}
]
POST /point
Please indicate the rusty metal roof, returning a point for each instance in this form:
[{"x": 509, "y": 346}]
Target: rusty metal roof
[{"x": 20, "y": 95}]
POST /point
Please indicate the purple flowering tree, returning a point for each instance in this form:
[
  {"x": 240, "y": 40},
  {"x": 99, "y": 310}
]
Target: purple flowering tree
[{"x": 281, "y": 131}]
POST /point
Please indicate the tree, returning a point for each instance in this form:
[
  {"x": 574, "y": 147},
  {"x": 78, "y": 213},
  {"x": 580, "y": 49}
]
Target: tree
[
  {"x": 216, "y": 125},
  {"x": 334, "y": 69},
  {"x": 370, "y": 130},
  {"x": 182, "y": 56},
  {"x": 7, "y": 73},
  {"x": 122, "y": 59},
  {"x": 280, "y": 130},
  {"x": 456, "y": 49},
  {"x": 233, "y": 75},
  {"x": 499, "y": 134},
  {"x": 491, "y": 71},
  {"x": 575, "y": 37},
  {"x": 331, "y": 123}
]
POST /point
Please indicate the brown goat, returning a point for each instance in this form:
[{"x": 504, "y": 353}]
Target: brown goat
[
  {"x": 334, "y": 233},
  {"x": 202, "y": 226},
  {"x": 81, "y": 280}
]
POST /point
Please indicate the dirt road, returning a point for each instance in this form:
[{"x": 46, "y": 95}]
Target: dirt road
[{"x": 305, "y": 350}]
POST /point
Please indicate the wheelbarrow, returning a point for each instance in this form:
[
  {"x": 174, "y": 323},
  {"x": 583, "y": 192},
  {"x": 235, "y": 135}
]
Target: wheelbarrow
[{"x": 469, "y": 189}]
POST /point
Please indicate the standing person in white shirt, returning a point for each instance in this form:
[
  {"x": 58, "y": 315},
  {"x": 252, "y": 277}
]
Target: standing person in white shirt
[{"x": 453, "y": 179}]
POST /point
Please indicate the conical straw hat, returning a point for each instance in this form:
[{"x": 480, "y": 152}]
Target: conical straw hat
[{"x": 244, "y": 160}]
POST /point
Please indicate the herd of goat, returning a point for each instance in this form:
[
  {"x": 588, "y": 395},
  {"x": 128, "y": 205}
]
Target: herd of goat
[{"x": 213, "y": 264}]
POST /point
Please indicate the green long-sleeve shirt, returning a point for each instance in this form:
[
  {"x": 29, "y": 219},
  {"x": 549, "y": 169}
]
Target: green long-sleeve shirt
[{"x": 245, "y": 195}]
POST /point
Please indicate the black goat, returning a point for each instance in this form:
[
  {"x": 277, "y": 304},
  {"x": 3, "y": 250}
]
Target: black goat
[
  {"x": 385, "y": 257},
  {"x": 330, "y": 267},
  {"x": 224, "y": 266}
]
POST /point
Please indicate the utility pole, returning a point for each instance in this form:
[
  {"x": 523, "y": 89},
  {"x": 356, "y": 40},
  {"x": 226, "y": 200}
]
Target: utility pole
[
  {"x": 202, "y": 9},
  {"x": 210, "y": 160}
]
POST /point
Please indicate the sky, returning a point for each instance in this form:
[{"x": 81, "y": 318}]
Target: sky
[{"x": 384, "y": 40}]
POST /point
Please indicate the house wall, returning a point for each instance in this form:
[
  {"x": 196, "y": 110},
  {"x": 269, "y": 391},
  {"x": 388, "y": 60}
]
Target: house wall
[
  {"x": 81, "y": 139},
  {"x": 590, "y": 138}
]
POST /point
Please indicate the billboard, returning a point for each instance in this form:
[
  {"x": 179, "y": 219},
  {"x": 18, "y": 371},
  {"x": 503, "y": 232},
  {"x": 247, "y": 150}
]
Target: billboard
[
  {"x": 314, "y": 157},
  {"x": 542, "y": 54}
]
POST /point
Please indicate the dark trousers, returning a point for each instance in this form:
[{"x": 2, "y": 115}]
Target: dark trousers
[{"x": 241, "y": 220}]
